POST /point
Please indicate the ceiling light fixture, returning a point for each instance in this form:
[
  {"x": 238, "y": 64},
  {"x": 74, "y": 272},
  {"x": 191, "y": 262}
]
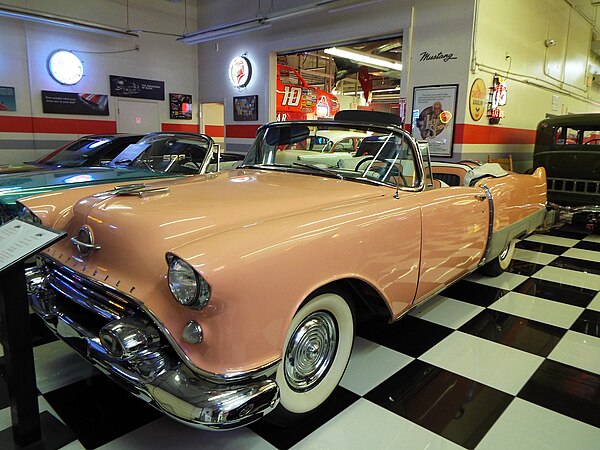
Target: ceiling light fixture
[
  {"x": 231, "y": 29},
  {"x": 224, "y": 31},
  {"x": 63, "y": 22},
  {"x": 364, "y": 58}
]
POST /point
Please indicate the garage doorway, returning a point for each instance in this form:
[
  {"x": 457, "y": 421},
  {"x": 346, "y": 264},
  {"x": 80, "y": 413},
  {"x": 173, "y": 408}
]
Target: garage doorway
[
  {"x": 213, "y": 122},
  {"x": 316, "y": 83},
  {"x": 137, "y": 117}
]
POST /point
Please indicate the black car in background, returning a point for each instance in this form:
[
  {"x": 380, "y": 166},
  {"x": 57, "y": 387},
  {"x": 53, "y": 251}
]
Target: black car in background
[
  {"x": 568, "y": 147},
  {"x": 88, "y": 151}
]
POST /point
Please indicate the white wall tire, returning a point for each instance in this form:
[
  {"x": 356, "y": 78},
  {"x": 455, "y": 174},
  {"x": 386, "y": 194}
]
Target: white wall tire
[
  {"x": 316, "y": 351},
  {"x": 498, "y": 265}
]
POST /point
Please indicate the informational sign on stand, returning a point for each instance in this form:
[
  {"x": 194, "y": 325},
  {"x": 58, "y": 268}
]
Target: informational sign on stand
[{"x": 19, "y": 240}]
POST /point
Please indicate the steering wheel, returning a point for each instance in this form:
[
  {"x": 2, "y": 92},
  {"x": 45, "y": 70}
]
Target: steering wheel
[
  {"x": 189, "y": 159},
  {"x": 366, "y": 159}
]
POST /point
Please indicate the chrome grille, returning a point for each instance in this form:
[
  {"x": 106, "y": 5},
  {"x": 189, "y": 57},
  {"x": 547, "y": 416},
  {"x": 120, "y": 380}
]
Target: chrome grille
[
  {"x": 573, "y": 185},
  {"x": 86, "y": 302}
]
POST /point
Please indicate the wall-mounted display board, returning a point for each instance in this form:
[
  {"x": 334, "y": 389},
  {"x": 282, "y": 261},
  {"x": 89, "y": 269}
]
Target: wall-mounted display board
[
  {"x": 136, "y": 88},
  {"x": 73, "y": 103}
]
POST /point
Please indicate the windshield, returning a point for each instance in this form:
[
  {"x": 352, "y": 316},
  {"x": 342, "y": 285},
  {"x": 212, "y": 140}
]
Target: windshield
[
  {"x": 376, "y": 154},
  {"x": 83, "y": 152},
  {"x": 166, "y": 153}
]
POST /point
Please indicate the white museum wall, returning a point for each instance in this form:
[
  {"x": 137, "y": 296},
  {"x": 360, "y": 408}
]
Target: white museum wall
[{"x": 27, "y": 45}]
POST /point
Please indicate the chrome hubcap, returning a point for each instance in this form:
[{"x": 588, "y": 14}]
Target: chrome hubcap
[{"x": 311, "y": 351}]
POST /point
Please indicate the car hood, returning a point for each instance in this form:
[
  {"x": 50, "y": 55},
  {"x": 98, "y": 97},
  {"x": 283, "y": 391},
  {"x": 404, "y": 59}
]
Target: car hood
[
  {"x": 138, "y": 229},
  {"x": 13, "y": 187}
]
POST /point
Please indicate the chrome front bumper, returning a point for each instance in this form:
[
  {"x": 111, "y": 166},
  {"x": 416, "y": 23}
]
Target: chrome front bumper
[{"x": 161, "y": 378}]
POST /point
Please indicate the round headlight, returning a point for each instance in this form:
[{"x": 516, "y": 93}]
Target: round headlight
[{"x": 187, "y": 286}]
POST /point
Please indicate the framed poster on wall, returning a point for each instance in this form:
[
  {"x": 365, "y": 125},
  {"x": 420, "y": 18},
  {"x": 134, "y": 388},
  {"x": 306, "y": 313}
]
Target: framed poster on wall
[
  {"x": 434, "y": 108},
  {"x": 7, "y": 99},
  {"x": 180, "y": 106},
  {"x": 245, "y": 108}
]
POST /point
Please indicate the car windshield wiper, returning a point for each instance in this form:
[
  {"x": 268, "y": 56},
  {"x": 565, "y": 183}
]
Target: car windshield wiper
[
  {"x": 123, "y": 161},
  {"x": 319, "y": 169}
]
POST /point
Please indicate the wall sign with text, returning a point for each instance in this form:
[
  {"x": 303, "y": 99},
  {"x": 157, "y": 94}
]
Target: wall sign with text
[
  {"x": 477, "y": 99},
  {"x": 73, "y": 103},
  {"x": 136, "y": 88}
]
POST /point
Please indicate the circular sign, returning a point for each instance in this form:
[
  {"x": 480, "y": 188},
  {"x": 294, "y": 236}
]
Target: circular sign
[
  {"x": 477, "y": 99},
  {"x": 65, "y": 67},
  {"x": 240, "y": 71}
]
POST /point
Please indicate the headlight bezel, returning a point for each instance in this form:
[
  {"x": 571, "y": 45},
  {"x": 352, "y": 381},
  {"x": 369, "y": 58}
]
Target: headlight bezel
[{"x": 178, "y": 270}]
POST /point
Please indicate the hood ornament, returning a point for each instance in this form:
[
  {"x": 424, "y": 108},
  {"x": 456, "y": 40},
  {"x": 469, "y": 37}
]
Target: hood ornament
[
  {"x": 138, "y": 189},
  {"x": 85, "y": 241}
]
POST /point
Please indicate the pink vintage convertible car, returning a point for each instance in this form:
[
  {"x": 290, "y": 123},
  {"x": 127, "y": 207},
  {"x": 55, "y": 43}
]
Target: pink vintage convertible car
[{"x": 223, "y": 297}]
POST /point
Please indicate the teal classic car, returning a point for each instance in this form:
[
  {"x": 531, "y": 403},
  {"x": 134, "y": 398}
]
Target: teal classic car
[{"x": 157, "y": 155}]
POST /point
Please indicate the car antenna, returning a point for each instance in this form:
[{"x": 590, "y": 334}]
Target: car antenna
[{"x": 399, "y": 177}]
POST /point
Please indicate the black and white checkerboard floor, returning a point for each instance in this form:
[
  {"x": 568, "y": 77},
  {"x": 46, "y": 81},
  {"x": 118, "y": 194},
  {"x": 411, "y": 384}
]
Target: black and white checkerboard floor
[{"x": 511, "y": 362}]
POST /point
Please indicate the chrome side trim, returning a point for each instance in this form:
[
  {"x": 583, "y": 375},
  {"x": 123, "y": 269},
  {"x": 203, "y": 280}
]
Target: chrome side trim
[{"x": 488, "y": 243}]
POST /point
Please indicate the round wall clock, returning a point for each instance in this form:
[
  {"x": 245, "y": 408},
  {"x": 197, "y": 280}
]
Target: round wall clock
[{"x": 65, "y": 67}]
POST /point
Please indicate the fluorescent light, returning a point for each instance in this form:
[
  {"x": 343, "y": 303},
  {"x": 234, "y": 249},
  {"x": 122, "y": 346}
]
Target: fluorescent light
[
  {"x": 354, "y": 5},
  {"x": 63, "y": 22},
  {"x": 364, "y": 58},
  {"x": 224, "y": 31}
]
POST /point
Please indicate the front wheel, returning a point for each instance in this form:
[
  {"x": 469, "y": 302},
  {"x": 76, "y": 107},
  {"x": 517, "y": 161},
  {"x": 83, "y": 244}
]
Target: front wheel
[
  {"x": 315, "y": 355},
  {"x": 498, "y": 265}
]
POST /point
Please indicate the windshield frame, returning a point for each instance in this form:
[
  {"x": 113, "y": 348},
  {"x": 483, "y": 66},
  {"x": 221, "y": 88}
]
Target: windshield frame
[
  {"x": 150, "y": 140},
  {"x": 406, "y": 139}
]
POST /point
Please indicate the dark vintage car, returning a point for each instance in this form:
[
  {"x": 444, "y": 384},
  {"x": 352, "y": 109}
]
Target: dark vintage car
[
  {"x": 157, "y": 155},
  {"x": 223, "y": 297},
  {"x": 92, "y": 150},
  {"x": 568, "y": 147}
]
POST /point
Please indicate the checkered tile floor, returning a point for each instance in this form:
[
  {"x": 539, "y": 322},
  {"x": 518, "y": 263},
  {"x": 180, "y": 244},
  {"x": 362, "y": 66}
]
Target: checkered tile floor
[{"x": 511, "y": 362}]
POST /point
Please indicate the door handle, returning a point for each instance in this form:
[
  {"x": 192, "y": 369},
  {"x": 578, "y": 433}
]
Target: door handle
[{"x": 480, "y": 197}]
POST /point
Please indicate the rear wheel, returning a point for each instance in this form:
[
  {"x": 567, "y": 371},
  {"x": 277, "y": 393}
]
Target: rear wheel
[
  {"x": 498, "y": 265},
  {"x": 316, "y": 352}
]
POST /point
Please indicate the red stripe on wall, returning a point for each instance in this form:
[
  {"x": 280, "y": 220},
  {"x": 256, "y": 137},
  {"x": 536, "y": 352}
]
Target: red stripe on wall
[
  {"x": 489, "y": 134},
  {"x": 214, "y": 130},
  {"x": 185, "y": 128},
  {"x": 22, "y": 124},
  {"x": 241, "y": 131}
]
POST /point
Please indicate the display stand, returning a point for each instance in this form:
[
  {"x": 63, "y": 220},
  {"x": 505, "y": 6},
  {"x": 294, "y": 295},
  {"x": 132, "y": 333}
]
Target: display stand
[{"x": 30, "y": 429}]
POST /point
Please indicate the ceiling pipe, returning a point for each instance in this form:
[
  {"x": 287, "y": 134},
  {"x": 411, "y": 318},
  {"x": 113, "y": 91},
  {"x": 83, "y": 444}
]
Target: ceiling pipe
[
  {"x": 49, "y": 19},
  {"x": 230, "y": 29}
]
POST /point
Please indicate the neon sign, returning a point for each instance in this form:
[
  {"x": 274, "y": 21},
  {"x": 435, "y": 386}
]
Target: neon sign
[
  {"x": 240, "y": 71},
  {"x": 497, "y": 98}
]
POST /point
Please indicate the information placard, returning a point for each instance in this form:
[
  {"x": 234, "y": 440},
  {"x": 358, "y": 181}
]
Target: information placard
[{"x": 19, "y": 240}]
